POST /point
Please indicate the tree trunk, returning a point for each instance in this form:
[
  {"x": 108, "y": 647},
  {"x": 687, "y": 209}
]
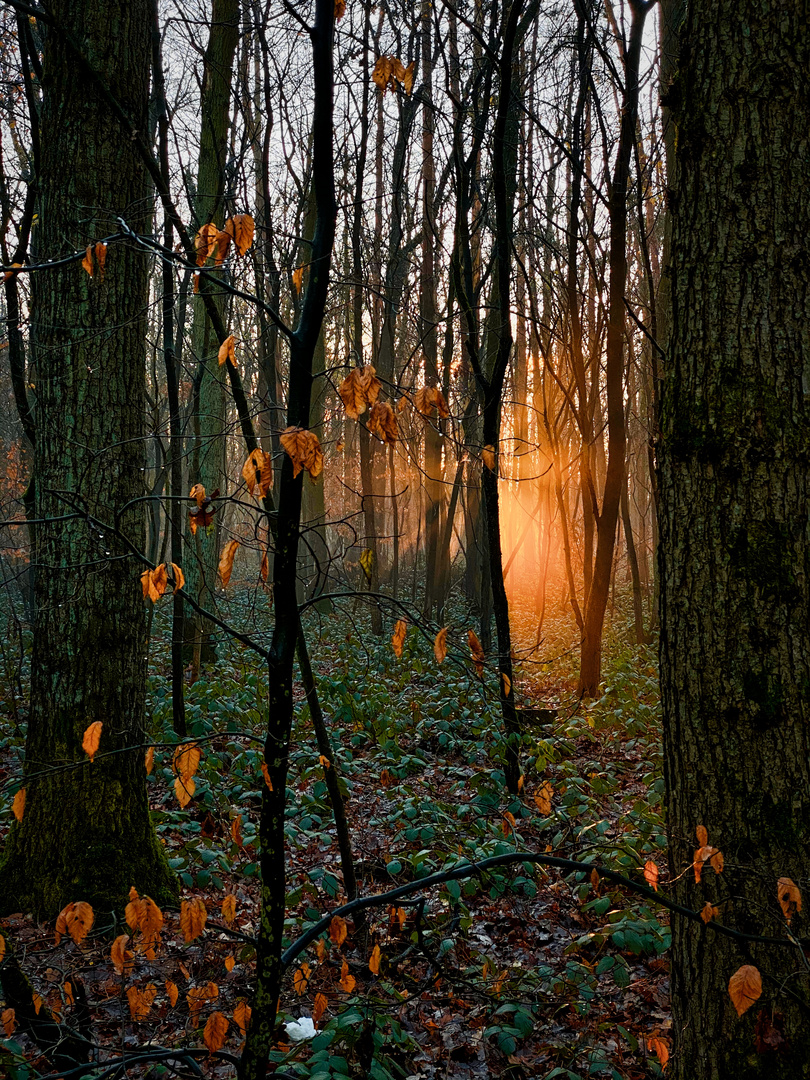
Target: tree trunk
[
  {"x": 86, "y": 833},
  {"x": 735, "y": 551}
]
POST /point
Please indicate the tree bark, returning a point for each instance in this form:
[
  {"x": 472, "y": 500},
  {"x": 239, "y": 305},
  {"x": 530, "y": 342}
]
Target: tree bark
[
  {"x": 734, "y": 501},
  {"x": 86, "y": 833}
]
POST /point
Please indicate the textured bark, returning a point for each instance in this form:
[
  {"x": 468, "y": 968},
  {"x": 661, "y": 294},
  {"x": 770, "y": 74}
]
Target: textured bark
[
  {"x": 735, "y": 551},
  {"x": 86, "y": 833}
]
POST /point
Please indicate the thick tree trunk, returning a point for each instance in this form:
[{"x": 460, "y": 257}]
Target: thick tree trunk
[
  {"x": 86, "y": 833},
  {"x": 735, "y": 551}
]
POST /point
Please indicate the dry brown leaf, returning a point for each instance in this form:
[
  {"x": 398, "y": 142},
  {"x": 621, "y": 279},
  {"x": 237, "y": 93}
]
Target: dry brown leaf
[
  {"x": 298, "y": 279},
  {"x": 383, "y": 423},
  {"x": 709, "y": 912},
  {"x": 488, "y": 456},
  {"x": 745, "y": 987},
  {"x": 352, "y": 395},
  {"x": 2, "y": 946},
  {"x": 193, "y": 915},
  {"x": 319, "y": 1008},
  {"x": 215, "y": 1032},
  {"x": 508, "y": 823},
  {"x": 407, "y": 78},
  {"x": 441, "y": 404},
  {"x": 241, "y": 227},
  {"x": 301, "y": 979},
  {"x": 340, "y": 9},
  {"x": 101, "y": 257},
  {"x": 154, "y": 582},
  {"x": 179, "y": 577},
  {"x": 423, "y": 400},
  {"x": 543, "y": 796},
  {"x": 347, "y": 981},
  {"x": 324, "y": 762},
  {"x": 398, "y": 638},
  {"x": 236, "y": 831},
  {"x": 222, "y": 243},
  {"x": 228, "y": 908},
  {"x": 18, "y": 806},
  {"x": 227, "y": 351},
  {"x": 241, "y": 1016},
  {"x": 184, "y": 790},
  {"x": 304, "y": 450},
  {"x": 226, "y": 562},
  {"x": 388, "y": 71},
  {"x": 656, "y": 1045},
  {"x": 173, "y": 992},
  {"x": 790, "y": 898},
  {"x": 121, "y": 956},
  {"x": 87, "y": 261},
  {"x": 140, "y": 1001},
  {"x": 266, "y": 775},
  {"x": 76, "y": 920},
  {"x": 92, "y": 738},
  {"x": 702, "y": 835},
  {"x": 440, "y": 645},
  {"x": 198, "y": 996},
  {"x": 374, "y": 960},
  {"x": 507, "y": 684},
  {"x": 205, "y": 242},
  {"x": 37, "y": 1001},
  {"x": 8, "y": 1021},
  {"x": 264, "y": 569},
  {"x": 476, "y": 650},
  {"x": 258, "y": 472},
  {"x": 230, "y": 963},
  {"x": 651, "y": 874},
  {"x": 320, "y": 949},
  {"x": 198, "y": 494},
  {"x": 186, "y": 760},
  {"x": 338, "y": 930}
]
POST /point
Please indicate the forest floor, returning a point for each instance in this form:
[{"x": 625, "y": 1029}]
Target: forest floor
[{"x": 518, "y": 973}]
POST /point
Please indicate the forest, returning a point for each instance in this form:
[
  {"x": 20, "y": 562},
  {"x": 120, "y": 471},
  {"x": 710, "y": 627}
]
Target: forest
[{"x": 404, "y": 539}]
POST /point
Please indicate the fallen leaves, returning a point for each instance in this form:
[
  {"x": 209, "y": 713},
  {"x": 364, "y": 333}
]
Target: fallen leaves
[{"x": 745, "y": 987}]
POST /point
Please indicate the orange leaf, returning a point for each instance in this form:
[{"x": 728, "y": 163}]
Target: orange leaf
[
  {"x": 374, "y": 960},
  {"x": 301, "y": 979},
  {"x": 9, "y": 1022},
  {"x": 488, "y": 457},
  {"x": 37, "y": 1002},
  {"x": 149, "y": 760},
  {"x": 173, "y": 992},
  {"x": 241, "y": 1016},
  {"x": 507, "y": 684},
  {"x": 441, "y": 404},
  {"x": 67, "y": 993},
  {"x": 241, "y": 227},
  {"x": 398, "y": 638},
  {"x": 347, "y": 981},
  {"x": 230, "y": 963},
  {"x": 92, "y": 738},
  {"x": 264, "y": 569},
  {"x": 338, "y": 930},
  {"x": 226, "y": 562},
  {"x": 236, "y": 831},
  {"x": 193, "y": 915},
  {"x": 2, "y": 946},
  {"x": 320, "y": 949},
  {"x": 258, "y": 471},
  {"x": 702, "y": 835},
  {"x": 319, "y": 1008},
  {"x": 215, "y": 1032},
  {"x": 140, "y": 1001},
  {"x": 658, "y": 1046},
  {"x": 121, "y": 956},
  {"x": 228, "y": 908},
  {"x": 266, "y": 775},
  {"x": 340, "y": 9},
  {"x": 542, "y": 797},
  {"x": 709, "y": 912},
  {"x": 424, "y": 400},
  {"x": 87, "y": 261},
  {"x": 476, "y": 650},
  {"x": 383, "y": 423},
  {"x": 186, "y": 760},
  {"x": 154, "y": 582},
  {"x": 76, "y": 920},
  {"x": 198, "y": 493},
  {"x": 227, "y": 351},
  {"x": 324, "y": 762},
  {"x": 101, "y": 257},
  {"x": 179, "y": 577},
  {"x": 184, "y": 788},
  {"x": 790, "y": 899},
  {"x": 18, "y": 806},
  {"x": 651, "y": 874},
  {"x": 744, "y": 987},
  {"x": 508, "y": 823},
  {"x": 298, "y": 279},
  {"x": 304, "y": 450},
  {"x": 440, "y": 645},
  {"x": 204, "y": 242}
]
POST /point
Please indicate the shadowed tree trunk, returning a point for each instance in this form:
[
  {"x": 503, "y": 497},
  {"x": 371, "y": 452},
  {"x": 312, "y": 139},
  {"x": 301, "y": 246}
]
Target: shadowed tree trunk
[
  {"x": 86, "y": 832},
  {"x": 735, "y": 550}
]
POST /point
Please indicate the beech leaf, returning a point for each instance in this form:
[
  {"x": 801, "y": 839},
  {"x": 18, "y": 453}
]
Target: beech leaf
[
  {"x": 790, "y": 898},
  {"x": 440, "y": 645},
  {"x": 193, "y": 915},
  {"x": 227, "y": 351},
  {"x": 338, "y": 930},
  {"x": 228, "y": 908},
  {"x": 745, "y": 987},
  {"x": 303, "y": 449},
  {"x": 92, "y": 738},
  {"x": 18, "y": 806},
  {"x": 215, "y": 1031},
  {"x": 226, "y": 562},
  {"x": 398, "y": 638}
]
